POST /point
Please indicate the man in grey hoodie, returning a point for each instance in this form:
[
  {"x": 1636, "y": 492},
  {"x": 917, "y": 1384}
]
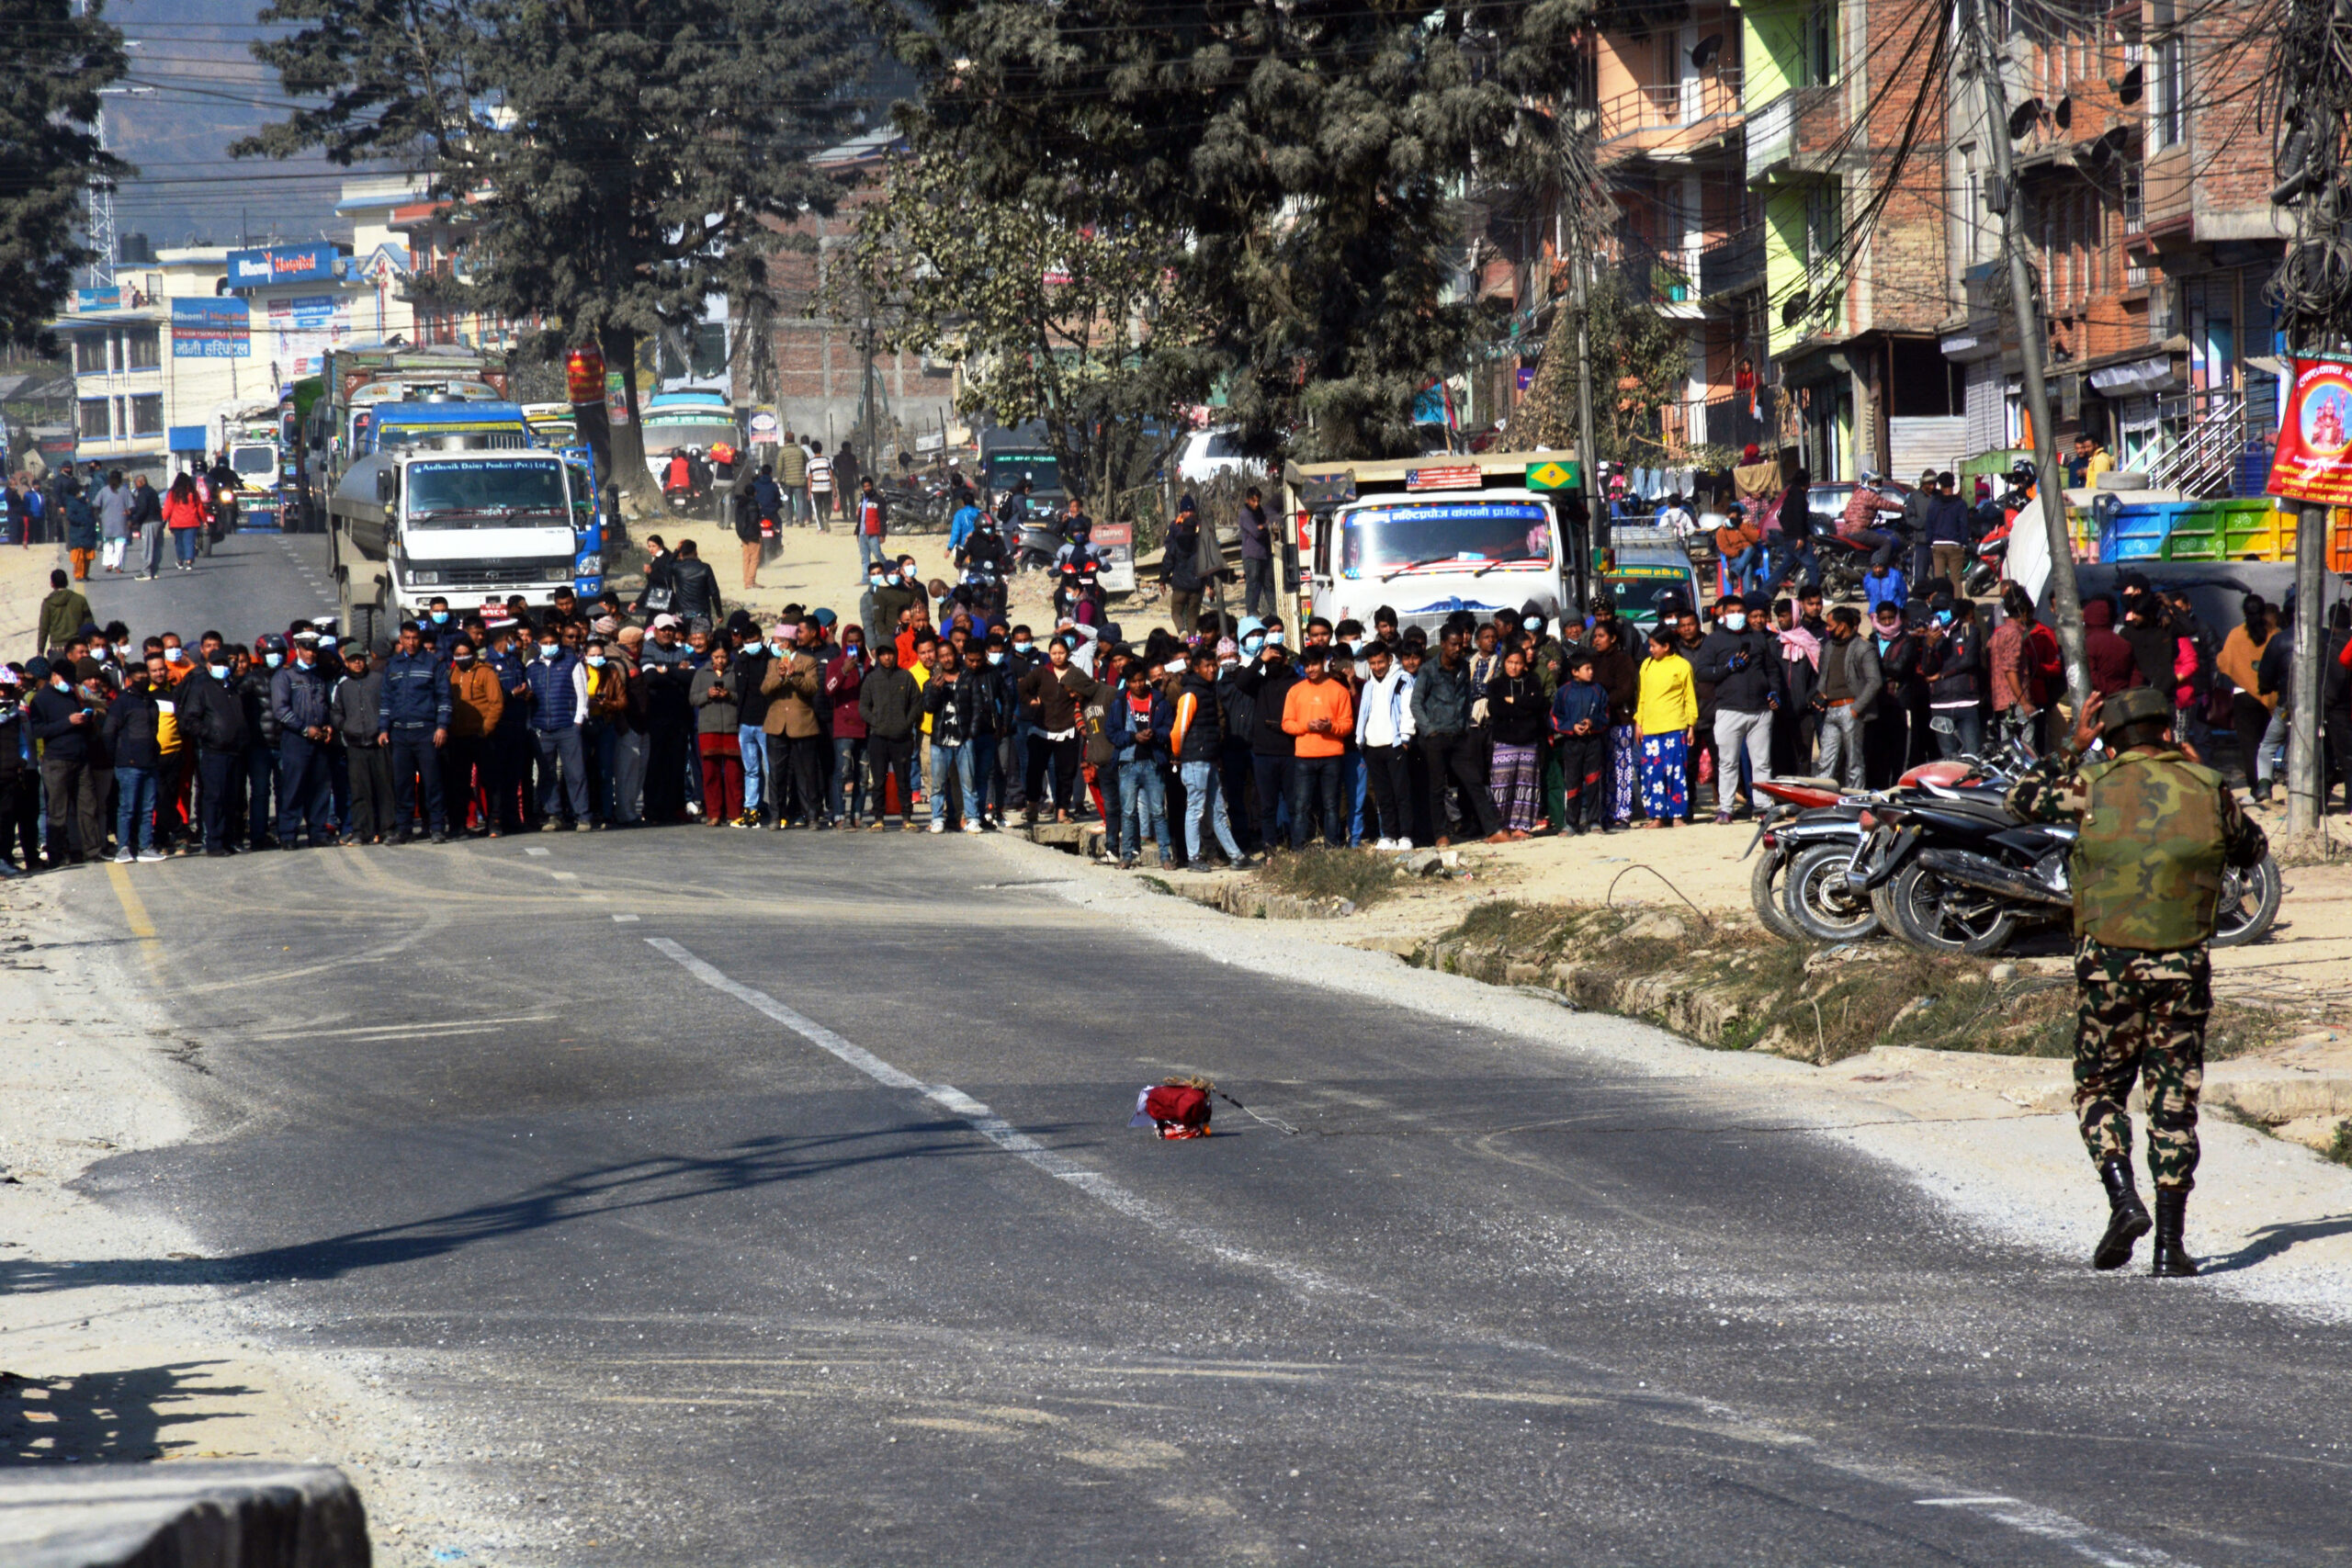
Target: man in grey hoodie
[{"x": 1850, "y": 679}]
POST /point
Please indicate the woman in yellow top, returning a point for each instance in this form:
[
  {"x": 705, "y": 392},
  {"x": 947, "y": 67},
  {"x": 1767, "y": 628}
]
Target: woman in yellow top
[{"x": 1670, "y": 706}]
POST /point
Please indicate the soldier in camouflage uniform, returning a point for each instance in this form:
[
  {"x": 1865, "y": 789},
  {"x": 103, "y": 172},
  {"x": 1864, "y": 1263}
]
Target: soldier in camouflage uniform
[{"x": 2155, "y": 829}]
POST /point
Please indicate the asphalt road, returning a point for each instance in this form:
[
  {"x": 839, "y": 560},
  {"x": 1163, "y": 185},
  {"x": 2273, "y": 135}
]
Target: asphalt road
[
  {"x": 250, "y": 583},
  {"x": 723, "y": 1199}
]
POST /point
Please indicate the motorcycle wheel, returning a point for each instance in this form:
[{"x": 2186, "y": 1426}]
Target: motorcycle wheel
[
  {"x": 2249, "y": 903},
  {"x": 1765, "y": 891},
  {"x": 1818, "y": 901},
  {"x": 1935, "y": 916}
]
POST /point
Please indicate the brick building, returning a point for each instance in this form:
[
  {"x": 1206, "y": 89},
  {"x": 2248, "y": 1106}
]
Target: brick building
[
  {"x": 2145, "y": 176},
  {"x": 818, "y": 343}
]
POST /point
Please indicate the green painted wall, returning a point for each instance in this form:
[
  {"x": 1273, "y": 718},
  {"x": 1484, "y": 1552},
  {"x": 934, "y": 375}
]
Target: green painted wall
[
  {"x": 1784, "y": 256},
  {"x": 1772, "y": 57}
]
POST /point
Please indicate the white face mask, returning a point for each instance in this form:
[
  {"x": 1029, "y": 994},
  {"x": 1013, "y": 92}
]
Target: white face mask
[{"x": 1735, "y": 622}]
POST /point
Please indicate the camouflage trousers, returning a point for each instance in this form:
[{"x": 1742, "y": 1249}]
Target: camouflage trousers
[{"x": 2142, "y": 1015}]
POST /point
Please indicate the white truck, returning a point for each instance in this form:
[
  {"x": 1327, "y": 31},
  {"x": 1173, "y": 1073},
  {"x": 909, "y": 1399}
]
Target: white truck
[{"x": 465, "y": 524}]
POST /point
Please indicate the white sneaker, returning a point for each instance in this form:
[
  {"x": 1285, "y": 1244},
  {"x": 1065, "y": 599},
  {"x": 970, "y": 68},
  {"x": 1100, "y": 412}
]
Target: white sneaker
[
  {"x": 971, "y": 827},
  {"x": 124, "y": 857},
  {"x": 939, "y": 826},
  {"x": 148, "y": 857}
]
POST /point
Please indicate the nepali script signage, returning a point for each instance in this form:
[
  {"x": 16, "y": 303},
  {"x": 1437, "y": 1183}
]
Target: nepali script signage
[
  {"x": 218, "y": 328},
  {"x": 2314, "y": 457}
]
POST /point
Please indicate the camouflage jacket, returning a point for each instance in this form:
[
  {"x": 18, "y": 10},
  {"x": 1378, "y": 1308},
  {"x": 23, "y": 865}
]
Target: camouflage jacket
[{"x": 2154, "y": 831}]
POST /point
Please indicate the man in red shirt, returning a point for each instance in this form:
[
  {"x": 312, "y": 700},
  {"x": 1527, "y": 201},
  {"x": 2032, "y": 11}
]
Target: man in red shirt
[{"x": 873, "y": 526}]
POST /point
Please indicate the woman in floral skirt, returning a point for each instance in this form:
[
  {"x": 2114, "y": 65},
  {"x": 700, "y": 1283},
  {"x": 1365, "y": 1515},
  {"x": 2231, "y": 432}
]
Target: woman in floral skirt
[{"x": 1670, "y": 706}]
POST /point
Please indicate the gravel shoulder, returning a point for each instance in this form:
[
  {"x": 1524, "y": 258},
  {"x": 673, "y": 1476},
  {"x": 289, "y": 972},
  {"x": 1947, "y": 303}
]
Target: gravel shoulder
[{"x": 1988, "y": 1137}]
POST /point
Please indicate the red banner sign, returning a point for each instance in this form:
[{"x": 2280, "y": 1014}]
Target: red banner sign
[
  {"x": 2315, "y": 460},
  {"x": 1462, "y": 476}
]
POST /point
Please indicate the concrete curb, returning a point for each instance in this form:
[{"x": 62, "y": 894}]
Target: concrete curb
[{"x": 197, "y": 1514}]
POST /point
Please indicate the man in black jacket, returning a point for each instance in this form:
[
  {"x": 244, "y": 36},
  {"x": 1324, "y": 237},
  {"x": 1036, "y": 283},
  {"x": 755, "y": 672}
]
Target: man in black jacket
[
  {"x": 697, "y": 603},
  {"x": 1272, "y": 753},
  {"x": 133, "y": 730},
  {"x": 1951, "y": 658},
  {"x": 1741, "y": 660},
  {"x": 1442, "y": 700},
  {"x": 1886, "y": 727},
  {"x": 212, "y": 714},
  {"x": 65, "y": 721}
]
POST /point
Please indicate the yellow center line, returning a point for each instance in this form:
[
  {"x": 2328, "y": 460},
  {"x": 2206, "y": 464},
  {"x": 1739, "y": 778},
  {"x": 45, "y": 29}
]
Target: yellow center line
[{"x": 134, "y": 915}]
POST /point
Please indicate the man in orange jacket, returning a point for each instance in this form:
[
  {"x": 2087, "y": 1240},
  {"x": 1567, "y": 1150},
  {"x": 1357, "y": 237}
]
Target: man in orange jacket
[{"x": 1319, "y": 714}]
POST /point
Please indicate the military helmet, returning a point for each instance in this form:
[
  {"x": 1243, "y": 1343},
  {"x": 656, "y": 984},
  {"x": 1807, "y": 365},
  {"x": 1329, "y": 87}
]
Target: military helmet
[{"x": 2140, "y": 703}]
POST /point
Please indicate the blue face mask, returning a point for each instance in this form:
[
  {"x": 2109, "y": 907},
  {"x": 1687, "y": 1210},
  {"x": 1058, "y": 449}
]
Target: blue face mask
[
  {"x": 440, "y": 617},
  {"x": 548, "y": 649},
  {"x": 779, "y": 649},
  {"x": 1021, "y": 648},
  {"x": 1943, "y": 617},
  {"x": 996, "y": 656},
  {"x": 273, "y": 659},
  {"x": 1275, "y": 639},
  {"x": 219, "y": 672},
  {"x": 595, "y": 661}
]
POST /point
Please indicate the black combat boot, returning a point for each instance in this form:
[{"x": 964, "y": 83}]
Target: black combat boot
[
  {"x": 2170, "y": 1260},
  {"x": 2127, "y": 1219}
]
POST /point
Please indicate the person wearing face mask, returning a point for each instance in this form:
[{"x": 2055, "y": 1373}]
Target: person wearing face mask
[
  {"x": 1741, "y": 659},
  {"x": 262, "y": 800},
  {"x": 477, "y": 704},
  {"x": 557, "y": 685},
  {"x": 1021, "y": 656},
  {"x": 412, "y": 721},
  {"x": 1850, "y": 682},
  {"x": 844, "y": 680},
  {"x": 299, "y": 697},
  {"x": 367, "y": 763}
]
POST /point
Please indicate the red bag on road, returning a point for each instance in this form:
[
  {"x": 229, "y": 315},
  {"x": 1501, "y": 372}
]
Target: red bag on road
[{"x": 1178, "y": 1109}]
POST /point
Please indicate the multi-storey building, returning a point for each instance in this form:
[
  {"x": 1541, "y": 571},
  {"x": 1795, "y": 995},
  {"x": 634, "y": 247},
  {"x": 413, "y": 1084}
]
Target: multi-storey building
[{"x": 2144, "y": 175}]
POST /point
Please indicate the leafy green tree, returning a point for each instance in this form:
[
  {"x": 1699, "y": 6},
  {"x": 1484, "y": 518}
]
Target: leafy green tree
[
  {"x": 48, "y": 156},
  {"x": 1092, "y": 332},
  {"x": 1640, "y": 363},
  {"x": 618, "y": 161},
  {"x": 1314, "y": 155}
]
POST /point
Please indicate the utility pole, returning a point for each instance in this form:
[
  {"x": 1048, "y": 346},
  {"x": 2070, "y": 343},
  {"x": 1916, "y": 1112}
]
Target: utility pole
[
  {"x": 866, "y": 403},
  {"x": 2305, "y": 788},
  {"x": 2065, "y": 599},
  {"x": 1596, "y": 511}
]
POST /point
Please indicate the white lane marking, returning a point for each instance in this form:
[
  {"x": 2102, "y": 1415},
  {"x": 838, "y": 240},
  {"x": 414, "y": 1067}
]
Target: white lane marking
[
  {"x": 565, "y": 876},
  {"x": 2029, "y": 1518},
  {"x": 624, "y": 920},
  {"x": 536, "y": 851},
  {"x": 995, "y": 1129}
]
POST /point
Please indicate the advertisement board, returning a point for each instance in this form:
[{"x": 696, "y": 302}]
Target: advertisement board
[
  {"x": 218, "y": 328},
  {"x": 2314, "y": 457},
  {"x": 281, "y": 264},
  {"x": 302, "y": 328}
]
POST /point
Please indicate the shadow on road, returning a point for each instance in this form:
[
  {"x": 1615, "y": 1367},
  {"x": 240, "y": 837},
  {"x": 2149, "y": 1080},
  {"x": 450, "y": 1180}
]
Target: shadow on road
[
  {"x": 605, "y": 1189},
  {"x": 2271, "y": 1240},
  {"x": 103, "y": 1415}
]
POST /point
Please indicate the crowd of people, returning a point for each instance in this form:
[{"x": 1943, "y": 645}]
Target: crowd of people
[
  {"x": 118, "y": 526},
  {"x": 927, "y": 709}
]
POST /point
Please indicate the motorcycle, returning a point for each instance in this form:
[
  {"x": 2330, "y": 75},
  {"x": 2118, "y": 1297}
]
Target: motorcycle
[
  {"x": 1777, "y": 834},
  {"x": 1041, "y": 541},
  {"x": 1819, "y": 849},
  {"x": 1844, "y": 564},
  {"x": 1953, "y": 870}
]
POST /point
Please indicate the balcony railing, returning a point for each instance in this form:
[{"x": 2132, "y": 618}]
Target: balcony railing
[
  {"x": 1795, "y": 129},
  {"x": 1658, "y": 278},
  {"x": 1732, "y": 263},
  {"x": 1674, "y": 116}
]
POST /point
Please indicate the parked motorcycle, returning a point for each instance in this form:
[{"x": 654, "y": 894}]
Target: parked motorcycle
[
  {"x": 1953, "y": 870},
  {"x": 1778, "y": 836}
]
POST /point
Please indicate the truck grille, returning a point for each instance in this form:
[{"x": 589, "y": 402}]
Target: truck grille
[{"x": 496, "y": 573}]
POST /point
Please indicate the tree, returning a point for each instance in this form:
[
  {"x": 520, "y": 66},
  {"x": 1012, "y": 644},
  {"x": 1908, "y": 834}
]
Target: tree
[
  {"x": 1640, "y": 363},
  {"x": 1313, "y": 153},
  {"x": 48, "y": 156},
  {"x": 1089, "y": 330},
  {"x": 619, "y": 162}
]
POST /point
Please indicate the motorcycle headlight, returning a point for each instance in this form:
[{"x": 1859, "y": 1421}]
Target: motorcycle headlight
[
  {"x": 424, "y": 579},
  {"x": 559, "y": 572}
]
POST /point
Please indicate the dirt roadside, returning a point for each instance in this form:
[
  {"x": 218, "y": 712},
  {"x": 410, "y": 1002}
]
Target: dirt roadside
[
  {"x": 1991, "y": 1136},
  {"x": 112, "y": 1346},
  {"x": 24, "y": 584}
]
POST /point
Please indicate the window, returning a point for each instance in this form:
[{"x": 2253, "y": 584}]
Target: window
[
  {"x": 91, "y": 421},
  {"x": 147, "y": 413},
  {"x": 710, "y": 350},
  {"x": 89, "y": 353},
  {"x": 2169, "y": 114},
  {"x": 141, "y": 349},
  {"x": 1820, "y": 68}
]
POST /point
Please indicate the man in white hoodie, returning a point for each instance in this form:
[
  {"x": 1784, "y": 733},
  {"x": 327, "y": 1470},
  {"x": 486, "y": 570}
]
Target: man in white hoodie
[{"x": 1385, "y": 735}]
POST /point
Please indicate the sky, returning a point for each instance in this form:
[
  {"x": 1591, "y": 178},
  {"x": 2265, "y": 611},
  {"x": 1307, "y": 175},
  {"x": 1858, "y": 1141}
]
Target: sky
[{"x": 206, "y": 91}]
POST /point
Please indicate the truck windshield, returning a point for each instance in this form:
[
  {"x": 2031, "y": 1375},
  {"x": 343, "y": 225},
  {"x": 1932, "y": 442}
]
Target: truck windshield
[
  {"x": 254, "y": 459},
  {"x": 1003, "y": 470},
  {"x": 1471, "y": 534},
  {"x": 1639, "y": 594},
  {"x": 487, "y": 492}
]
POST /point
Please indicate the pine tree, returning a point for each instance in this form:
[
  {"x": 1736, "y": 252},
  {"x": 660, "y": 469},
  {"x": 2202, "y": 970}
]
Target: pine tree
[
  {"x": 48, "y": 156},
  {"x": 617, "y": 161},
  {"x": 1314, "y": 153}
]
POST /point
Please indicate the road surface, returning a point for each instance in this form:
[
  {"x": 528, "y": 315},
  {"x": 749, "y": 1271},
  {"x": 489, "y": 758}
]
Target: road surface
[{"x": 721, "y": 1198}]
